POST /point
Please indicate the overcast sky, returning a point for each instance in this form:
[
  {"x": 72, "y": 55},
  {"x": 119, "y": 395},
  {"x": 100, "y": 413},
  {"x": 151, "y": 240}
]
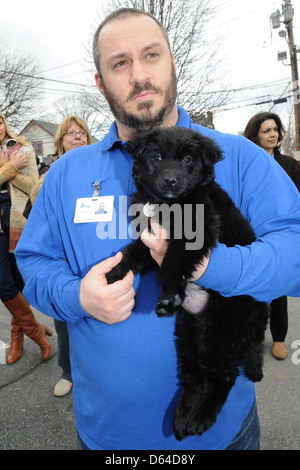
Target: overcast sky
[
  {"x": 55, "y": 34},
  {"x": 252, "y": 47}
]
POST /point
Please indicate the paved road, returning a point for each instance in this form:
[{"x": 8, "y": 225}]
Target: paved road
[
  {"x": 278, "y": 395},
  {"x": 32, "y": 418}
]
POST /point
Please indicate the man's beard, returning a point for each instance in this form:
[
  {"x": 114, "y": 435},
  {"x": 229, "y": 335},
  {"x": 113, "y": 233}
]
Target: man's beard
[{"x": 148, "y": 119}]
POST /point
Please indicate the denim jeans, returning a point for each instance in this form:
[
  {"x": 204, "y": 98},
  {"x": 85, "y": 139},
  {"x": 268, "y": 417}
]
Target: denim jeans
[
  {"x": 63, "y": 349},
  {"x": 10, "y": 278},
  {"x": 248, "y": 437},
  {"x": 80, "y": 444}
]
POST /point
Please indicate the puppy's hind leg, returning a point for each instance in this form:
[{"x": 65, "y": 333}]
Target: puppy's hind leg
[
  {"x": 206, "y": 376},
  {"x": 198, "y": 407},
  {"x": 254, "y": 363}
]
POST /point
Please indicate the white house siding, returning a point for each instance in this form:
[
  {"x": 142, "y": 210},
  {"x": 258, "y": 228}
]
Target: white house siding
[{"x": 34, "y": 133}]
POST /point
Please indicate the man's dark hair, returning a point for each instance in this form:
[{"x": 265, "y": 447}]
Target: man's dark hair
[{"x": 120, "y": 14}]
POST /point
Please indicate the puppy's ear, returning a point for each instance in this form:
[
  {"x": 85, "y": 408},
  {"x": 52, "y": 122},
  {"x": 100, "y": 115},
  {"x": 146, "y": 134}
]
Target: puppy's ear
[
  {"x": 211, "y": 152},
  {"x": 210, "y": 155},
  {"x": 131, "y": 146},
  {"x": 136, "y": 146}
]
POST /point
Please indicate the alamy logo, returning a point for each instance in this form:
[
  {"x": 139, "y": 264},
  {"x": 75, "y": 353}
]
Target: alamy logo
[
  {"x": 187, "y": 222},
  {"x": 296, "y": 92},
  {"x": 2, "y": 92},
  {"x": 2, "y": 352},
  {"x": 296, "y": 354}
]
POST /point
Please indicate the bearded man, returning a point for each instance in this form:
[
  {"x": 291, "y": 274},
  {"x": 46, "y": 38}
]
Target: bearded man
[{"x": 123, "y": 357}]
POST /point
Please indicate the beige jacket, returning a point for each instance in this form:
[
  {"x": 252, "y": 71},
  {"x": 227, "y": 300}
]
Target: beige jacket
[{"x": 20, "y": 185}]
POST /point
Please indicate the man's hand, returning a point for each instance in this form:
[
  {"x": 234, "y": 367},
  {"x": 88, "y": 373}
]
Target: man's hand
[
  {"x": 158, "y": 244},
  {"x": 109, "y": 303}
]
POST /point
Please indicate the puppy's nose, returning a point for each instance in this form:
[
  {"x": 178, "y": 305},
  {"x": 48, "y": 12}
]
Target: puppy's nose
[{"x": 170, "y": 181}]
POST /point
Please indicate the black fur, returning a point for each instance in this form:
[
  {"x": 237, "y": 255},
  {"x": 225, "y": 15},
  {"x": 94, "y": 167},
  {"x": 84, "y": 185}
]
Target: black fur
[{"x": 176, "y": 165}]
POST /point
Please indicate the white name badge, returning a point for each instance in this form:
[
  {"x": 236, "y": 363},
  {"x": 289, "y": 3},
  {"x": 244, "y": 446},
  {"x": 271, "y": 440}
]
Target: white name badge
[{"x": 94, "y": 209}]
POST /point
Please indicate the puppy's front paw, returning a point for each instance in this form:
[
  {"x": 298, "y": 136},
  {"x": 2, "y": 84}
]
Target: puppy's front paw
[
  {"x": 167, "y": 305},
  {"x": 116, "y": 274}
]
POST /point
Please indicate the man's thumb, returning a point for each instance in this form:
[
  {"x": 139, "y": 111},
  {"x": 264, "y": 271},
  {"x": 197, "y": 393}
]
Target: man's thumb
[{"x": 109, "y": 263}]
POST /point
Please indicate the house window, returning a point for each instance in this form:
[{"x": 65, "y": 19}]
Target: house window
[{"x": 38, "y": 148}]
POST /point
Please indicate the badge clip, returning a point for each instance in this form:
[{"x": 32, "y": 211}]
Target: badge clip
[{"x": 97, "y": 186}]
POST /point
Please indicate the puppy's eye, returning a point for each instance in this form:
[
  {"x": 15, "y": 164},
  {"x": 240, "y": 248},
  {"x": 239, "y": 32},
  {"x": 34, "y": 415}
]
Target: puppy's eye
[
  {"x": 157, "y": 158},
  {"x": 187, "y": 160}
]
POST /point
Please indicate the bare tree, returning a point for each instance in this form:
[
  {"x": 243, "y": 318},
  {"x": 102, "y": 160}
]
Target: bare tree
[
  {"x": 20, "y": 89},
  {"x": 288, "y": 145},
  {"x": 82, "y": 106}
]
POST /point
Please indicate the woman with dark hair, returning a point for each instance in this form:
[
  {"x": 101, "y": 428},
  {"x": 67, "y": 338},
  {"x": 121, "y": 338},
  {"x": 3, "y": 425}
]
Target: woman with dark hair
[{"x": 266, "y": 130}]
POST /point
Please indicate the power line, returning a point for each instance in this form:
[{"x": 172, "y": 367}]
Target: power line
[
  {"x": 270, "y": 100},
  {"x": 242, "y": 16},
  {"x": 61, "y": 66},
  {"x": 280, "y": 96},
  {"x": 233, "y": 90},
  {"x": 42, "y": 78}
]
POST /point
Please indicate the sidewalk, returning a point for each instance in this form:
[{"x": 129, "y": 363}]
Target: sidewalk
[{"x": 32, "y": 418}]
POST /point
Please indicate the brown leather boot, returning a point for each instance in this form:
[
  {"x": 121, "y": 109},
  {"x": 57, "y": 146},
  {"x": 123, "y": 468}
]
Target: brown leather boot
[
  {"x": 23, "y": 315},
  {"x": 16, "y": 343}
]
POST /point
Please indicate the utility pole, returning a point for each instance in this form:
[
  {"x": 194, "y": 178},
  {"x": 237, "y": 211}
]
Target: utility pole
[
  {"x": 288, "y": 9},
  {"x": 288, "y": 13}
]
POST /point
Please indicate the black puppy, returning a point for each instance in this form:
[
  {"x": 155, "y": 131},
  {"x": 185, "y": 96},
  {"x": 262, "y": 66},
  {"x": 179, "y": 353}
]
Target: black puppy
[{"x": 215, "y": 335}]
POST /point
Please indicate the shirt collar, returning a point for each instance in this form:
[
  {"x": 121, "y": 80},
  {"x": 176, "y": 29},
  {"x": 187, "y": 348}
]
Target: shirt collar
[{"x": 112, "y": 138}]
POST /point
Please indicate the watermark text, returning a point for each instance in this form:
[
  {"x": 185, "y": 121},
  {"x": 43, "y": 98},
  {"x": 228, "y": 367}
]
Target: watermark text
[{"x": 185, "y": 222}]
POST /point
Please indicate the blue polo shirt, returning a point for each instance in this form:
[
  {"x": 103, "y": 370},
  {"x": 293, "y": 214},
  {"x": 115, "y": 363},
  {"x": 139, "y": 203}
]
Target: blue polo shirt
[{"x": 125, "y": 375}]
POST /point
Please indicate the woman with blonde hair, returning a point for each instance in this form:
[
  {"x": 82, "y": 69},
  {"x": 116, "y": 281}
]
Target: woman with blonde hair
[
  {"x": 72, "y": 132},
  {"x": 18, "y": 175}
]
